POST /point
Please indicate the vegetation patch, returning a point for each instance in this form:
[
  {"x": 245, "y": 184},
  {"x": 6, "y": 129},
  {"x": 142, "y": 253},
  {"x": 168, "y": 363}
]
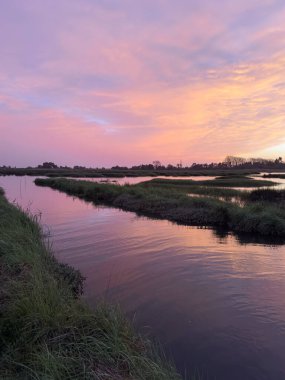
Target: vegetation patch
[
  {"x": 257, "y": 218},
  {"x": 119, "y": 172},
  {"x": 267, "y": 195},
  {"x": 216, "y": 192},
  {"x": 224, "y": 181},
  {"x": 282, "y": 176},
  {"x": 46, "y": 331}
]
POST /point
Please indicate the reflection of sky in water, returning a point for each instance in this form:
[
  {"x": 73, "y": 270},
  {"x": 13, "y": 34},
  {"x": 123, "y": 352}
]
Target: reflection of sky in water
[
  {"x": 216, "y": 304},
  {"x": 135, "y": 180},
  {"x": 122, "y": 181}
]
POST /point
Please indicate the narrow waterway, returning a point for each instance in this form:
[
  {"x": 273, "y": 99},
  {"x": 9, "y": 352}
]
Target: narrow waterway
[{"x": 216, "y": 303}]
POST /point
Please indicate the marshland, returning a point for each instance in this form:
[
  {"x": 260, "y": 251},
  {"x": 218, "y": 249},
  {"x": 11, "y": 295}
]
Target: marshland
[
  {"x": 142, "y": 190},
  {"x": 201, "y": 275},
  {"x": 153, "y": 199},
  {"x": 150, "y": 171}
]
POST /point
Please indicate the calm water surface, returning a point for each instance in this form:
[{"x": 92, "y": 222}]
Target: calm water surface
[
  {"x": 217, "y": 305},
  {"x": 135, "y": 180}
]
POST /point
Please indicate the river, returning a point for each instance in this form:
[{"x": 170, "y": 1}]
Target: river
[{"x": 215, "y": 302}]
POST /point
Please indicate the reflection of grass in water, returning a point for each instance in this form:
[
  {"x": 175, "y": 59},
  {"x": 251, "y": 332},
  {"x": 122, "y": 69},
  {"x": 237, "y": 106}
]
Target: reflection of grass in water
[
  {"x": 168, "y": 203},
  {"x": 46, "y": 332},
  {"x": 226, "y": 198}
]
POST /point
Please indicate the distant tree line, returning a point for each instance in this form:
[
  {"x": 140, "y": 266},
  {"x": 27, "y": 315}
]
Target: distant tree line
[
  {"x": 246, "y": 163},
  {"x": 229, "y": 162},
  {"x": 232, "y": 162}
]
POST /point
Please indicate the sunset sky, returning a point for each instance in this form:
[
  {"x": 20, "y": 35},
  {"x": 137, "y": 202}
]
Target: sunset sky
[{"x": 107, "y": 82}]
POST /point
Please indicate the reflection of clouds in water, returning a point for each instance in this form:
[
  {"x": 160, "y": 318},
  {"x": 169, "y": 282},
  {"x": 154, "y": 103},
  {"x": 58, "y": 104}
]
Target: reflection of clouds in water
[{"x": 199, "y": 292}]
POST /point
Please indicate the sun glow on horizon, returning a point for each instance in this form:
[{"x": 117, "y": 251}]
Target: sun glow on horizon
[{"x": 104, "y": 84}]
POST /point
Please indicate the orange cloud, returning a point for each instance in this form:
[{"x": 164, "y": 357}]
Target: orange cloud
[{"x": 132, "y": 83}]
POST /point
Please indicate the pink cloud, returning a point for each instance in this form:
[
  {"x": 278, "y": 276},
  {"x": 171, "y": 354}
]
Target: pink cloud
[{"x": 123, "y": 83}]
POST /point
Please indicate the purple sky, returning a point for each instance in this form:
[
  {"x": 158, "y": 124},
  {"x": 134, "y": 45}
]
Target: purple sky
[{"x": 123, "y": 82}]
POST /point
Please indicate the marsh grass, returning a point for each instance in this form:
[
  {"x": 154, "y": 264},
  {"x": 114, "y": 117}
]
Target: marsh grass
[
  {"x": 224, "y": 181},
  {"x": 46, "y": 331},
  {"x": 282, "y": 176},
  {"x": 173, "y": 205},
  {"x": 216, "y": 192},
  {"x": 119, "y": 173},
  {"x": 267, "y": 195}
]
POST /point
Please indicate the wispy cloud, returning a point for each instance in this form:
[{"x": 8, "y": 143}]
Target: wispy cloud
[{"x": 105, "y": 82}]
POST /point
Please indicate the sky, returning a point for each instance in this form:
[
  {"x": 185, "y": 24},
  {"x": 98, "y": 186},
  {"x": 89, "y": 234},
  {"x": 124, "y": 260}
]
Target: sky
[{"x": 100, "y": 83}]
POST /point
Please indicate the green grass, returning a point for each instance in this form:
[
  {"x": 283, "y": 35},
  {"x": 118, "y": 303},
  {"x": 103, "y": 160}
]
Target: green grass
[
  {"x": 46, "y": 331},
  {"x": 224, "y": 181},
  {"x": 119, "y": 173},
  {"x": 253, "y": 218}
]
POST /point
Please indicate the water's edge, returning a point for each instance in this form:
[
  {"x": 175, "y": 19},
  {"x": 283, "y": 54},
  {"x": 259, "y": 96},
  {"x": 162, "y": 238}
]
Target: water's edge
[{"x": 216, "y": 303}]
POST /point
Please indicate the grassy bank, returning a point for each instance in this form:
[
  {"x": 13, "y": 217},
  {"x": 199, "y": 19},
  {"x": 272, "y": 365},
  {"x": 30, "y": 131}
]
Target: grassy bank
[
  {"x": 224, "y": 181},
  {"x": 255, "y": 217},
  {"x": 46, "y": 331}
]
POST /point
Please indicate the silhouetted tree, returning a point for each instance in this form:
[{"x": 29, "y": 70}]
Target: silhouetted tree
[
  {"x": 156, "y": 164},
  {"x": 48, "y": 165}
]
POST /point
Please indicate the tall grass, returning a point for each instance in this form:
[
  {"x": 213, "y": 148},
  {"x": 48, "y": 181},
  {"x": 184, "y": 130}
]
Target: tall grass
[
  {"x": 268, "y": 220},
  {"x": 46, "y": 331}
]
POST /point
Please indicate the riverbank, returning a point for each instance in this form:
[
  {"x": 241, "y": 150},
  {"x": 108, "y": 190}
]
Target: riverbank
[
  {"x": 263, "y": 218},
  {"x": 46, "y": 331},
  {"x": 121, "y": 173}
]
